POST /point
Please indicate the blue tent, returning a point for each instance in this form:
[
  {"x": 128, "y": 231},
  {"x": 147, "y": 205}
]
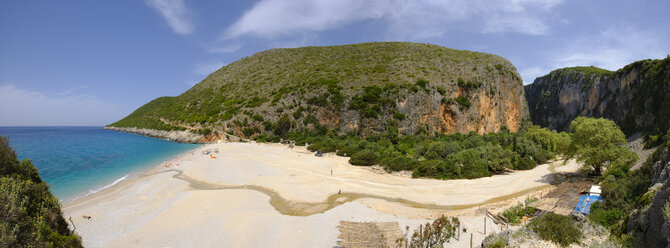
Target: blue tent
[{"x": 584, "y": 204}]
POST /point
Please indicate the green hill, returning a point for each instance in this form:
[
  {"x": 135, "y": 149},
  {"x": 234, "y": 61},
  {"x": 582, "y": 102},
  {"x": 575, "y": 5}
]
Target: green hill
[{"x": 360, "y": 88}]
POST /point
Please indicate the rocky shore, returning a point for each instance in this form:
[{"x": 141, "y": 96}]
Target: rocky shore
[{"x": 182, "y": 136}]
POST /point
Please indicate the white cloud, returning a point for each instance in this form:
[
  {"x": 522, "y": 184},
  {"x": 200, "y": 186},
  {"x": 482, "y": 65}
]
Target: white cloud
[
  {"x": 275, "y": 17},
  {"x": 22, "y": 107},
  {"x": 409, "y": 19},
  {"x": 517, "y": 24},
  {"x": 175, "y": 13},
  {"x": 613, "y": 49},
  {"x": 529, "y": 74}
]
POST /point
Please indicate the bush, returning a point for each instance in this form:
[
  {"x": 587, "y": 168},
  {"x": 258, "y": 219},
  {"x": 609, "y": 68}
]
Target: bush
[
  {"x": 347, "y": 150},
  {"x": 284, "y": 125},
  {"x": 525, "y": 163},
  {"x": 498, "y": 240},
  {"x": 437, "y": 169},
  {"x": 422, "y": 83},
  {"x": 562, "y": 230},
  {"x": 604, "y": 217},
  {"x": 515, "y": 213},
  {"x": 365, "y": 158},
  {"x": 463, "y": 102},
  {"x": 398, "y": 163},
  {"x": 431, "y": 234},
  {"x": 441, "y": 90},
  {"x": 31, "y": 215}
]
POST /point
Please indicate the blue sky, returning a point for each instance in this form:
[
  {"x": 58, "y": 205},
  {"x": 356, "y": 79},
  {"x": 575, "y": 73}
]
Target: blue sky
[{"x": 93, "y": 62}]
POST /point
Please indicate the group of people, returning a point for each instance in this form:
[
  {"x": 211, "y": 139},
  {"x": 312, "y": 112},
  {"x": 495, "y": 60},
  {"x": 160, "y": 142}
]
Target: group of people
[{"x": 170, "y": 164}]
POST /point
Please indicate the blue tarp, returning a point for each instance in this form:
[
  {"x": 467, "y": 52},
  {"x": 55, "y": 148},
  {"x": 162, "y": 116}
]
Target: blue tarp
[{"x": 584, "y": 204}]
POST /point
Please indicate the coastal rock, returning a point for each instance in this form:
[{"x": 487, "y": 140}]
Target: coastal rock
[{"x": 182, "y": 136}]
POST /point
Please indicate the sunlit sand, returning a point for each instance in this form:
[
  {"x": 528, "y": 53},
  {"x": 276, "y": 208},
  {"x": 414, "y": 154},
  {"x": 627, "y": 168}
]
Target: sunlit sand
[{"x": 269, "y": 195}]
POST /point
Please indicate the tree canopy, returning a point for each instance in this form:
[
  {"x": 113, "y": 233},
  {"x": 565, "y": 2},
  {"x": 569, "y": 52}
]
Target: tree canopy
[{"x": 598, "y": 143}]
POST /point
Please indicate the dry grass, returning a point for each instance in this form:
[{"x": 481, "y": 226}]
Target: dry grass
[{"x": 368, "y": 234}]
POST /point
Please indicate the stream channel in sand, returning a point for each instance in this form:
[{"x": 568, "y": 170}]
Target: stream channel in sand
[{"x": 294, "y": 208}]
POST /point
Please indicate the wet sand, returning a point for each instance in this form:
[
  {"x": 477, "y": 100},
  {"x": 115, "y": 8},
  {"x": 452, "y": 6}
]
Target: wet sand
[{"x": 268, "y": 195}]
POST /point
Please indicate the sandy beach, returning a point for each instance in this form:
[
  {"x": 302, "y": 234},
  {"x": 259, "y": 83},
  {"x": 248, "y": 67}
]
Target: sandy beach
[{"x": 269, "y": 195}]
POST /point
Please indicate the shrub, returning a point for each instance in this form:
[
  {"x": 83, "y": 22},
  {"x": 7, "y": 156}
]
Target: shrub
[
  {"x": 604, "y": 217},
  {"x": 562, "y": 230},
  {"x": 498, "y": 240},
  {"x": 365, "y": 158},
  {"x": 525, "y": 163},
  {"x": 468, "y": 84},
  {"x": 31, "y": 215},
  {"x": 398, "y": 163},
  {"x": 347, "y": 150},
  {"x": 463, "y": 102},
  {"x": 441, "y": 90},
  {"x": 422, "y": 83},
  {"x": 431, "y": 234},
  {"x": 284, "y": 125},
  {"x": 248, "y": 132},
  {"x": 515, "y": 213},
  {"x": 399, "y": 116}
]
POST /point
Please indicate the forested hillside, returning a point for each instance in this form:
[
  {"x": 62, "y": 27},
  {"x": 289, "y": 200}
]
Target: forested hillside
[{"x": 365, "y": 88}]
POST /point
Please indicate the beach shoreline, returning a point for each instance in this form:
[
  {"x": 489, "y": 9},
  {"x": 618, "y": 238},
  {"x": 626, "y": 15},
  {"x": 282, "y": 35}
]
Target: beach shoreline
[
  {"x": 133, "y": 174},
  {"x": 291, "y": 188}
]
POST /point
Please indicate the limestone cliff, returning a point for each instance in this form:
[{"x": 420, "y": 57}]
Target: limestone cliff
[
  {"x": 635, "y": 97},
  {"x": 651, "y": 224}
]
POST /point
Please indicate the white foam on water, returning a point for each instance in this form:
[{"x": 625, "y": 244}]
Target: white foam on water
[{"x": 93, "y": 191}]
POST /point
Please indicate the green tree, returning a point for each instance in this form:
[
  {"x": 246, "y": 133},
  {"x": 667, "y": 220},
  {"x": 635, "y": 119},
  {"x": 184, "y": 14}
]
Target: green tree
[{"x": 598, "y": 143}]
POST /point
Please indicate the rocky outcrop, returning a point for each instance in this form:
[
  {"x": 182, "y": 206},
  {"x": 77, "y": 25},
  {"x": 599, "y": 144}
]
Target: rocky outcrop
[
  {"x": 635, "y": 97},
  {"x": 650, "y": 223},
  {"x": 182, "y": 136}
]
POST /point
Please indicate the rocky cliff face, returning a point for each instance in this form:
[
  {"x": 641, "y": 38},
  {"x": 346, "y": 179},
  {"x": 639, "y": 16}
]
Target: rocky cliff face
[
  {"x": 635, "y": 97},
  {"x": 367, "y": 88},
  {"x": 182, "y": 136},
  {"x": 650, "y": 223}
]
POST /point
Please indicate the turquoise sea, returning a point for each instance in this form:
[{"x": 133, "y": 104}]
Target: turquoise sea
[{"x": 76, "y": 161}]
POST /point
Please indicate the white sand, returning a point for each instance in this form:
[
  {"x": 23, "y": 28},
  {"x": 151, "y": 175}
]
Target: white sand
[{"x": 157, "y": 210}]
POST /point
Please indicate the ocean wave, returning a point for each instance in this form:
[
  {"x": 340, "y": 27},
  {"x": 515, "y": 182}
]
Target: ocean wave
[{"x": 93, "y": 191}]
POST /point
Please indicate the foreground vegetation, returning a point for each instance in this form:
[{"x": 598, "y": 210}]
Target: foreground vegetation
[
  {"x": 626, "y": 191},
  {"x": 515, "y": 213},
  {"x": 437, "y": 156},
  {"x": 431, "y": 235},
  {"x": 30, "y": 215},
  {"x": 559, "y": 229}
]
